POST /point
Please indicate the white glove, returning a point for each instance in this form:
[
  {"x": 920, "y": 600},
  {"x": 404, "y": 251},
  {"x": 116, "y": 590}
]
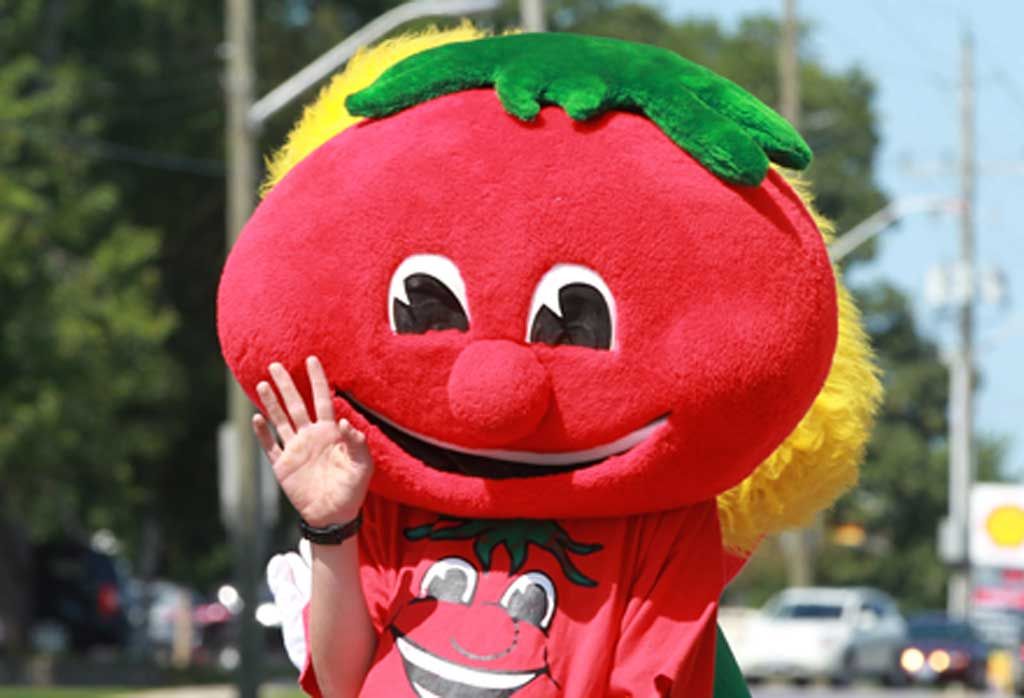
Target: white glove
[{"x": 290, "y": 578}]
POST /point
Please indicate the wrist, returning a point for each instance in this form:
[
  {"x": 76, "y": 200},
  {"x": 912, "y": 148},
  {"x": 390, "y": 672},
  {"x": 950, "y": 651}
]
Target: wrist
[
  {"x": 322, "y": 519},
  {"x": 334, "y": 533}
]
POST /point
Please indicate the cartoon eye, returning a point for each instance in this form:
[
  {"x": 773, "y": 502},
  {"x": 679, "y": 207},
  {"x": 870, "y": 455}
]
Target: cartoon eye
[
  {"x": 531, "y": 598},
  {"x": 427, "y": 293},
  {"x": 451, "y": 579},
  {"x": 572, "y": 305}
]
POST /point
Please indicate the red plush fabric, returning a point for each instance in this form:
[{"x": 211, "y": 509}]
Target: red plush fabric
[
  {"x": 724, "y": 303},
  {"x": 500, "y": 389}
]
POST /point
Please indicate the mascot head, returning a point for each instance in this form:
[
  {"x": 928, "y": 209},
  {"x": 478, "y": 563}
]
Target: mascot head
[{"x": 556, "y": 276}]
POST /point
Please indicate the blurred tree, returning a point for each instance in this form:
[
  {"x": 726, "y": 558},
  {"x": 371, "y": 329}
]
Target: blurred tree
[
  {"x": 84, "y": 368},
  {"x": 150, "y": 73},
  {"x": 903, "y": 491}
]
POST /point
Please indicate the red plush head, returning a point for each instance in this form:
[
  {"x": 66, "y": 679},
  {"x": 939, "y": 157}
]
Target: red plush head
[{"x": 541, "y": 319}]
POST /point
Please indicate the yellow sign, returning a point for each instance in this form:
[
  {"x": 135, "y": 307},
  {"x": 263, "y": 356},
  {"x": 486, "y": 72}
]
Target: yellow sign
[{"x": 1005, "y": 526}]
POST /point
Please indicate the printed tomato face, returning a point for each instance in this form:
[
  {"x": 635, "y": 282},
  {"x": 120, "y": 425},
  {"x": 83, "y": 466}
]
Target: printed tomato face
[
  {"x": 474, "y": 633},
  {"x": 546, "y": 319}
]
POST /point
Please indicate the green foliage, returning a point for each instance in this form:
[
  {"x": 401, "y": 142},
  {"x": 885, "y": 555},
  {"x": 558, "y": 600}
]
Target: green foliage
[
  {"x": 903, "y": 492},
  {"x": 83, "y": 360},
  {"x": 722, "y": 125},
  {"x": 85, "y": 371}
]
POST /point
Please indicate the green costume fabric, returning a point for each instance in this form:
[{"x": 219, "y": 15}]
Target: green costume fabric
[
  {"x": 728, "y": 130},
  {"x": 729, "y": 681}
]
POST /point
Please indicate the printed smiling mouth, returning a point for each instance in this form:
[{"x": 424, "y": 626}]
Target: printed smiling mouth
[
  {"x": 496, "y": 464},
  {"x": 434, "y": 677}
]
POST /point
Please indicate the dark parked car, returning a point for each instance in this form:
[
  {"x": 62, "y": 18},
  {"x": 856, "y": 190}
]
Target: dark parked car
[
  {"x": 80, "y": 590},
  {"x": 941, "y": 650}
]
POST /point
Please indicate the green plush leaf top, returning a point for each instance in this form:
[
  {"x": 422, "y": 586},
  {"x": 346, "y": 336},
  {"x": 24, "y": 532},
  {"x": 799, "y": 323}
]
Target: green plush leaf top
[{"x": 723, "y": 126}]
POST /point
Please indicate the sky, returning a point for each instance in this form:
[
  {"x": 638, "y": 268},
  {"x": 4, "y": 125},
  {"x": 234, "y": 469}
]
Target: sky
[{"x": 912, "y": 50}]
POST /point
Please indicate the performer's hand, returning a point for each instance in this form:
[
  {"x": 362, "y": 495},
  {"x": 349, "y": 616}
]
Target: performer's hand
[{"x": 325, "y": 466}]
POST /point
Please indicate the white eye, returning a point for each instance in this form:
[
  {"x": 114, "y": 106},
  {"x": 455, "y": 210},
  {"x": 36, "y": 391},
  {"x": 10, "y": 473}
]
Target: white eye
[
  {"x": 451, "y": 579},
  {"x": 531, "y": 598},
  {"x": 427, "y": 293},
  {"x": 572, "y": 305}
]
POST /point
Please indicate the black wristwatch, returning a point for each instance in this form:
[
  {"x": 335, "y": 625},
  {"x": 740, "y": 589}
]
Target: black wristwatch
[{"x": 333, "y": 534}]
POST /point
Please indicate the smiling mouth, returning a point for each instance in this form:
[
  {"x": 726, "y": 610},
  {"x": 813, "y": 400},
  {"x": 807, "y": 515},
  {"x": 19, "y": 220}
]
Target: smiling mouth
[
  {"x": 434, "y": 677},
  {"x": 497, "y": 464}
]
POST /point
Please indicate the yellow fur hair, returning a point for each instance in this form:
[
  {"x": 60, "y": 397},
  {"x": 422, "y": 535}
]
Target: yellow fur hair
[
  {"x": 819, "y": 459},
  {"x": 327, "y": 116}
]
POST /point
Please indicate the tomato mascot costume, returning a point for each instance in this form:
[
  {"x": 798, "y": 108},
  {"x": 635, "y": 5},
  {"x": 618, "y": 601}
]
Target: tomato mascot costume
[{"x": 594, "y": 340}]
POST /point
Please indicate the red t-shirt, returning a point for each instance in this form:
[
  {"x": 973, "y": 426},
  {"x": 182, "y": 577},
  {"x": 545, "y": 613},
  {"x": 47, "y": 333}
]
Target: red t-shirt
[{"x": 526, "y": 608}]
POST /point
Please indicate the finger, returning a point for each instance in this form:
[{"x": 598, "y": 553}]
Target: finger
[
  {"x": 293, "y": 402},
  {"x": 351, "y": 435},
  {"x": 277, "y": 416},
  {"x": 321, "y": 390},
  {"x": 266, "y": 439},
  {"x": 353, "y": 444}
]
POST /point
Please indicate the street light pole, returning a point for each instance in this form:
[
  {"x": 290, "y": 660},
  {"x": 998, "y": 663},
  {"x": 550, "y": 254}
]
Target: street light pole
[
  {"x": 886, "y": 216},
  {"x": 797, "y": 546},
  {"x": 242, "y": 174},
  {"x": 335, "y": 57},
  {"x": 531, "y": 16}
]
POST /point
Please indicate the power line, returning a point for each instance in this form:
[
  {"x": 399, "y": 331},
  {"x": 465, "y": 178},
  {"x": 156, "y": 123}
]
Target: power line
[
  {"x": 1015, "y": 94},
  {"x": 908, "y": 37},
  {"x": 119, "y": 152}
]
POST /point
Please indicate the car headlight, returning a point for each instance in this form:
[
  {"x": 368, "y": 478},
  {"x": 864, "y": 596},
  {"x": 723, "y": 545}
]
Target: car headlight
[
  {"x": 939, "y": 661},
  {"x": 912, "y": 660}
]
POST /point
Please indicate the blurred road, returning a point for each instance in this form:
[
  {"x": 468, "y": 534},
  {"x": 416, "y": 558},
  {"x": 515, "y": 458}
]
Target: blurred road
[
  {"x": 865, "y": 691},
  {"x": 764, "y": 691}
]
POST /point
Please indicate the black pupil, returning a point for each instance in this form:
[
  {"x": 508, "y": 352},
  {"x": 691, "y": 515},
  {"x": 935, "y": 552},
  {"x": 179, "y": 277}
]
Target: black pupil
[
  {"x": 585, "y": 322},
  {"x": 450, "y": 587},
  {"x": 529, "y": 604},
  {"x": 432, "y": 306}
]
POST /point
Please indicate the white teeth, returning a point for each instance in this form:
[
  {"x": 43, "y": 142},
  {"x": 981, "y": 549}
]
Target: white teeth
[
  {"x": 424, "y": 693},
  {"x": 540, "y": 459},
  {"x": 456, "y": 673}
]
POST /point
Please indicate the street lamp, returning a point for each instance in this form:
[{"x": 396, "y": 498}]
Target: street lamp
[{"x": 885, "y": 217}]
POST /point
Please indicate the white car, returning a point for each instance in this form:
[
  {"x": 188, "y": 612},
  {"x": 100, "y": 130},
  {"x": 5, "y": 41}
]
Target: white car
[{"x": 837, "y": 634}]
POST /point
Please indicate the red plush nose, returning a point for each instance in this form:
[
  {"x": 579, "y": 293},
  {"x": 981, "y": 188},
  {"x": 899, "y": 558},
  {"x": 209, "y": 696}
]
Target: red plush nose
[{"x": 499, "y": 389}]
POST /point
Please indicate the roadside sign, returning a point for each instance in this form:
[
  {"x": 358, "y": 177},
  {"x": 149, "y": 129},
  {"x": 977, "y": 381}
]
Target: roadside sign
[{"x": 996, "y": 536}]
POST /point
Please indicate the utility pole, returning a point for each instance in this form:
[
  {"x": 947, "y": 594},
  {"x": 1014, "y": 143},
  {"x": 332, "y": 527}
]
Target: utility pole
[
  {"x": 531, "y": 15},
  {"x": 796, "y": 545},
  {"x": 242, "y": 169},
  {"x": 789, "y": 66},
  {"x": 961, "y": 374}
]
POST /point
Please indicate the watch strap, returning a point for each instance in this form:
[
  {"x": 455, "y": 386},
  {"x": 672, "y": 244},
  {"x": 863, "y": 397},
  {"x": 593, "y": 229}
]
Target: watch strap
[{"x": 332, "y": 534}]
